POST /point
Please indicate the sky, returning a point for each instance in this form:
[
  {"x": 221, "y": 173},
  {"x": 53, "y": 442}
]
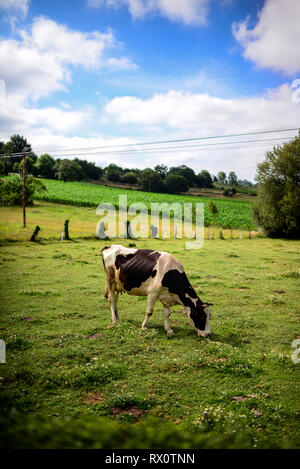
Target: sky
[{"x": 88, "y": 74}]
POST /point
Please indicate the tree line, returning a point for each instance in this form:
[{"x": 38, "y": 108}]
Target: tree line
[{"x": 176, "y": 179}]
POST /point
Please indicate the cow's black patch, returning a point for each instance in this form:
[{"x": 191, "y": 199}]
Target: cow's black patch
[
  {"x": 199, "y": 316},
  {"x": 177, "y": 282},
  {"x": 136, "y": 268}
]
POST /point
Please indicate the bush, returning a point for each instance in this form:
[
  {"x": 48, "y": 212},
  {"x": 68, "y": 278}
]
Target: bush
[
  {"x": 11, "y": 190},
  {"x": 129, "y": 178}
]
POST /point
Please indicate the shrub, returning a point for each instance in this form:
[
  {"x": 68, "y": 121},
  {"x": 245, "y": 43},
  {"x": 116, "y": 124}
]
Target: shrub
[
  {"x": 11, "y": 190},
  {"x": 130, "y": 178}
]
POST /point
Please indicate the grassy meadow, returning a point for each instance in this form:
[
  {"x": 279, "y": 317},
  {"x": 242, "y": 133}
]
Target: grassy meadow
[{"x": 72, "y": 379}]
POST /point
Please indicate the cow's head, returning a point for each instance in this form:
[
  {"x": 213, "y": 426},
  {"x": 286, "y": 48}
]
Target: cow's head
[{"x": 199, "y": 316}]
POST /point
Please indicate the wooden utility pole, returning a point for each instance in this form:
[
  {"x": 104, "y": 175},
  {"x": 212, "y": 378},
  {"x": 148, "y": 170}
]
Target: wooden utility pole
[{"x": 24, "y": 188}]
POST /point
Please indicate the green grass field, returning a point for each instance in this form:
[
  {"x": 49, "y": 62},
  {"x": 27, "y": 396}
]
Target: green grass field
[
  {"x": 74, "y": 380},
  {"x": 232, "y": 213}
]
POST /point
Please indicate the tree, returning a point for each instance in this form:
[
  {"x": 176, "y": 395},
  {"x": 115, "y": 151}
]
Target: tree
[
  {"x": 232, "y": 178},
  {"x": 175, "y": 183},
  {"x": 151, "y": 181},
  {"x": 204, "y": 179},
  {"x": 30, "y": 167},
  {"x": 222, "y": 177},
  {"x": 67, "y": 170},
  {"x": 245, "y": 183},
  {"x": 277, "y": 208},
  {"x": 129, "y": 178},
  {"x": 186, "y": 172},
  {"x": 16, "y": 144},
  {"x": 90, "y": 170},
  {"x": 45, "y": 166},
  {"x": 113, "y": 172},
  {"x": 162, "y": 170}
]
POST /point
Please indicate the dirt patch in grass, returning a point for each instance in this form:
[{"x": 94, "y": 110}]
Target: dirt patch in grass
[
  {"x": 96, "y": 336},
  {"x": 134, "y": 411},
  {"x": 93, "y": 398}
]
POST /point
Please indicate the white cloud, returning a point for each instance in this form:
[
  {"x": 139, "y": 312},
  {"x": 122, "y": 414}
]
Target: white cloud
[
  {"x": 68, "y": 46},
  {"x": 122, "y": 63},
  {"x": 30, "y": 73},
  {"x": 17, "y": 117},
  {"x": 179, "y": 114},
  {"x": 187, "y": 11},
  {"x": 274, "y": 41},
  {"x": 39, "y": 62},
  {"x": 17, "y": 7},
  {"x": 89, "y": 50},
  {"x": 203, "y": 113}
]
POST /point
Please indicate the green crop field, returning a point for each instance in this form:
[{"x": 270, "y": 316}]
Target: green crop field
[
  {"x": 74, "y": 380},
  {"x": 232, "y": 213}
]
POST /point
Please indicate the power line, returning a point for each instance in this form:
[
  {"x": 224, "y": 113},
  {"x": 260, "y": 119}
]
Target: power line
[
  {"x": 155, "y": 142},
  {"x": 155, "y": 150},
  {"x": 181, "y": 147}
]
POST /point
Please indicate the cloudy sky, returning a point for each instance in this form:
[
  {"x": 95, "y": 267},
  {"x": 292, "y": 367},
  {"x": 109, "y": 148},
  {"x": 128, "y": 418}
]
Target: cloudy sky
[{"x": 86, "y": 74}]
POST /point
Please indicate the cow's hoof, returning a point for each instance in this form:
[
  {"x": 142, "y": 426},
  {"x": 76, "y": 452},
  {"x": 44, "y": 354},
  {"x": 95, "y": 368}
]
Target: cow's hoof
[{"x": 170, "y": 332}]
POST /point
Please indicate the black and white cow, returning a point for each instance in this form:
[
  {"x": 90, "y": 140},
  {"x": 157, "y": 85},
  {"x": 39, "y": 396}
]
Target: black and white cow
[{"x": 157, "y": 275}]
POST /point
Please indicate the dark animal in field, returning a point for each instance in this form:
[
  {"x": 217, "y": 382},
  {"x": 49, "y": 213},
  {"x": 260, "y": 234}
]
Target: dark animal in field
[{"x": 157, "y": 275}]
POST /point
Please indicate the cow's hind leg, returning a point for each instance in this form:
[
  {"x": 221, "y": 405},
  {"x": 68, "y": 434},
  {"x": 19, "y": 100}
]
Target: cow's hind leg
[
  {"x": 167, "y": 313},
  {"x": 149, "y": 309}
]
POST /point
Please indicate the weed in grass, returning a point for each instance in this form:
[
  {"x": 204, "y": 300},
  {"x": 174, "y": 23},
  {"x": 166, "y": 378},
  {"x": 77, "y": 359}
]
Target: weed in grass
[
  {"x": 292, "y": 274},
  {"x": 37, "y": 292},
  {"x": 62, "y": 256},
  {"x": 18, "y": 343},
  {"x": 275, "y": 300}
]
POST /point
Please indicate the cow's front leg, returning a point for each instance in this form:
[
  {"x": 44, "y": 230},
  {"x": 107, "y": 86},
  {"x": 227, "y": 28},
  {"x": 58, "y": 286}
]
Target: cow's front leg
[
  {"x": 167, "y": 313},
  {"x": 113, "y": 305},
  {"x": 149, "y": 310}
]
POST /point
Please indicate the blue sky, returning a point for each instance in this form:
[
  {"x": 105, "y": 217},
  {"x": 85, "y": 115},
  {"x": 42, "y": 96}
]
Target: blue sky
[{"x": 92, "y": 73}]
